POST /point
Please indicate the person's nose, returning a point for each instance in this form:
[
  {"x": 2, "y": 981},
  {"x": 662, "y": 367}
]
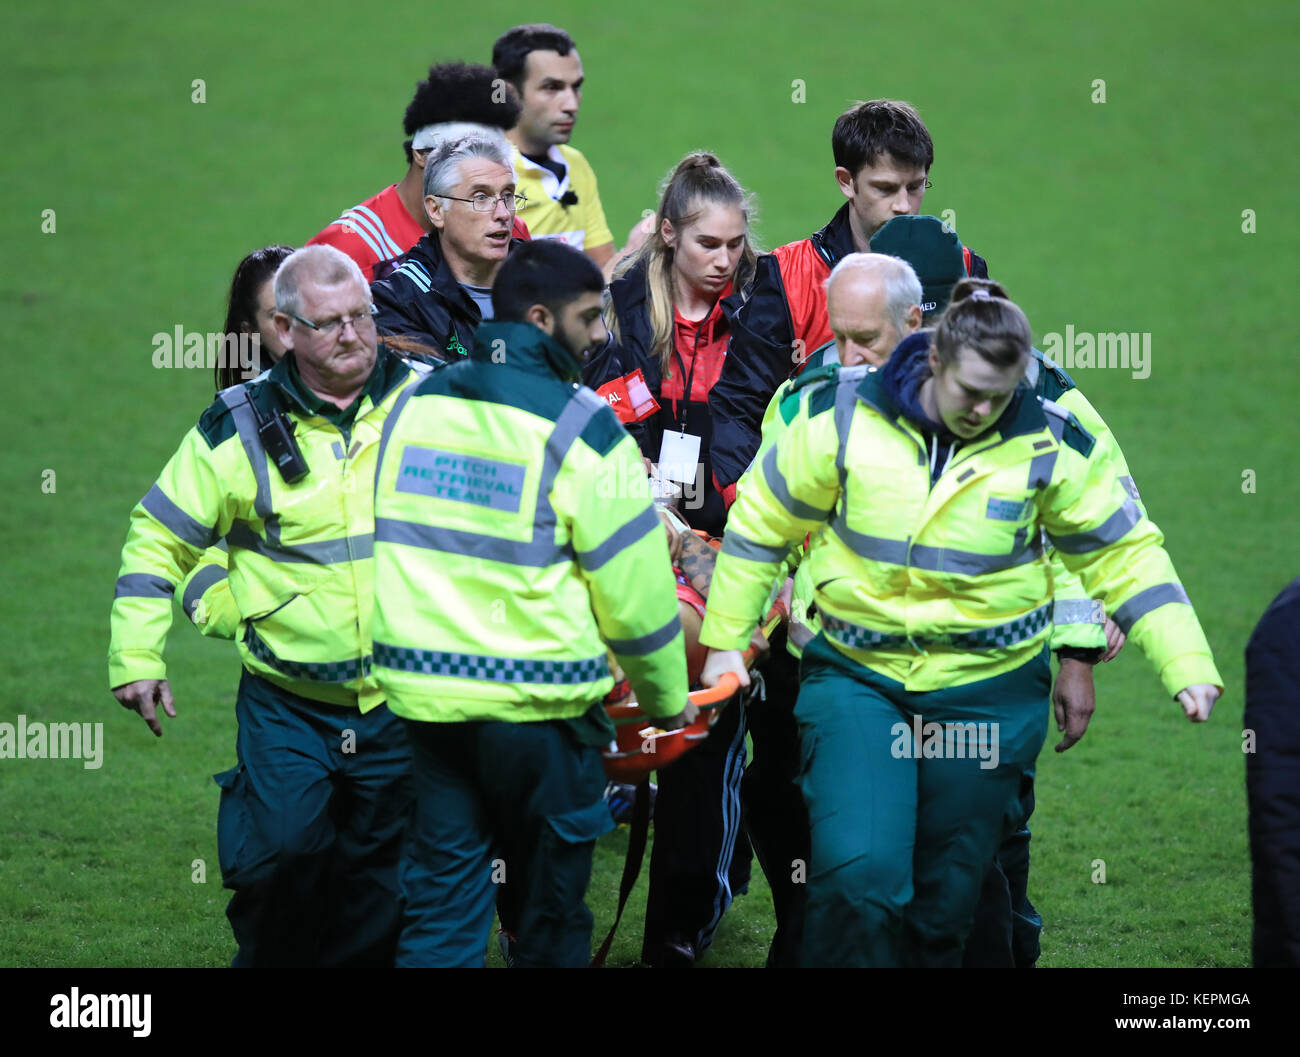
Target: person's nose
[
  {"x": 500, "y": 206},
  {"x": 984, "y": 408}
]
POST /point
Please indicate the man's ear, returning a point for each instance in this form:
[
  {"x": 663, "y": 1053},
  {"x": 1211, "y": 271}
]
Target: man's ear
[
  {"x": 845, "y": 179},
  {"x": 283, "y": 330},
  {"x": 540, "y": 316},
  {"x": 433, "y": 210},
  {"x": 913, "y": 319}
]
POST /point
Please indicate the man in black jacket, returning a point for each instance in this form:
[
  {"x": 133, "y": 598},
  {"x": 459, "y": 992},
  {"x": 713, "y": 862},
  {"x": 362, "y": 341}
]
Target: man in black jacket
[
  {"x": 883, "y": 154},
  {"x": 1272, "y": 729},
  {"x": 442, "y": 288}
]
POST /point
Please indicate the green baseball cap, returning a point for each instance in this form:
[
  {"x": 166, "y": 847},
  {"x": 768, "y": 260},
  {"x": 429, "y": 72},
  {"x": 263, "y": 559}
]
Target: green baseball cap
[{"x": 932, "y": 249}]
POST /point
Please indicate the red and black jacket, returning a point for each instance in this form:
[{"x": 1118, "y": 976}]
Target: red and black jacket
[
  {"x": 705, "y": 351},
  {"x": 781, "y": 320}
]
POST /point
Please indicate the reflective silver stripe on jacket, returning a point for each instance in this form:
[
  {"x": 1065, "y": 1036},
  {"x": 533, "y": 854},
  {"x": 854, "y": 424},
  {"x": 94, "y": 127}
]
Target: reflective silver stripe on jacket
[
  {"x": 742, "y": 547},
  {"x": 648, "y": 643},
  {"x": 619, "y": 540},
  {"x": 541, "y": 549},
  {"x": 776, "y": 483},
  {"x": 194, "y": 590},
  {"x": 241, "y": 534},
  {"x": 318, "y": 552},
  {"x": 176, "y": 521},
  {"x": 935, "y": 559},
  {"x": 1079, "y": 611},
  {"x": 1113, "y": 529},
  {"x": 1144, "y": 602},
  {"x": 143, "y": 585}
]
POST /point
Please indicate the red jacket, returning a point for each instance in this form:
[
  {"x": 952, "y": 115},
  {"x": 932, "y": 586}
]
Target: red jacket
[
  {"x": 701, "y": 346},
  {"x": 780, "y": 323}
]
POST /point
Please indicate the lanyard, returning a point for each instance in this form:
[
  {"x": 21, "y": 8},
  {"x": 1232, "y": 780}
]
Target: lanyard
[{"x": 690, "y": 378}]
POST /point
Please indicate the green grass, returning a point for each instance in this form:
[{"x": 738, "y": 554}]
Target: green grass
[{"x": 1121, "y": 216}]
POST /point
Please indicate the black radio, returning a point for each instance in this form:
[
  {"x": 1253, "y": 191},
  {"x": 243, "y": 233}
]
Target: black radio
[{"x": 277, "y": 438}]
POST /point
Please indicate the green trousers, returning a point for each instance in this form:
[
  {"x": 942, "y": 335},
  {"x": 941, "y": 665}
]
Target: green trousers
[{"x": 906, "y": 795}]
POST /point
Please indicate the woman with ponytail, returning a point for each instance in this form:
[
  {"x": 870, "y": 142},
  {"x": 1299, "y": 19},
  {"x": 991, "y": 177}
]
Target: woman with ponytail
[{"x": 669, "y": 318}]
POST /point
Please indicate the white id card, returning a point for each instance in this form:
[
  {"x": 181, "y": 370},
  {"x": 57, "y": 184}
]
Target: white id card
[{"x": 679, "y": 456}]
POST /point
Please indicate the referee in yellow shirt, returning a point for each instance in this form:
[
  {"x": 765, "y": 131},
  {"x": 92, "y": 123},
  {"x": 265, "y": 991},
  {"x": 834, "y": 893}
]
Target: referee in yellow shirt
[{"x": 542, "y": 63}]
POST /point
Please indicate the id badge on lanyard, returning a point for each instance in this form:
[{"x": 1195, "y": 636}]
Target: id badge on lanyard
[
  {"x": 679, "y": 452},
  {"x": 679, "y": 456}
]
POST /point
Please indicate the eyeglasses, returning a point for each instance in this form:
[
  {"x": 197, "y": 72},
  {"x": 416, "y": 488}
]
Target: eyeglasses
[
  {"x": 331, "y": 328},
  {"x": 484, "y": 203}
]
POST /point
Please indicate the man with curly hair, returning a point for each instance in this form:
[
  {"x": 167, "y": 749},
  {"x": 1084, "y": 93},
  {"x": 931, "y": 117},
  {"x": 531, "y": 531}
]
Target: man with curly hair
[{"x": 456, "y": 99}]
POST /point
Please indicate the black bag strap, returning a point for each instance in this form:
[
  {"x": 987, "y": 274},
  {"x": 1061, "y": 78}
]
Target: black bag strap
[{"x": 638, "y": 834}]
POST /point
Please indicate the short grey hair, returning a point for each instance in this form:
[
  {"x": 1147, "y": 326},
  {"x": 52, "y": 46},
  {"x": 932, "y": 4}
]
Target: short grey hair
[
  {"x": 902, "y": 287},
  {"x": 323, "y": 265},
  {"x": 442, "y": 170}
]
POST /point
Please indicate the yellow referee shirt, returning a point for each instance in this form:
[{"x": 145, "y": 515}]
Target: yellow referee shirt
[{"x": 567, "y": 209}]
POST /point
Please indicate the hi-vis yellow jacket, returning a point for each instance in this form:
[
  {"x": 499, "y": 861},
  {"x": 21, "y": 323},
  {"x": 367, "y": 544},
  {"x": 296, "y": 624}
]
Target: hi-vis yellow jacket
[
  {"x": 300, "y": 555},
  {"x": 940, "y": 587},
  {"x": 514, "y": 531},
  {"x": 1078, "y": 621}
]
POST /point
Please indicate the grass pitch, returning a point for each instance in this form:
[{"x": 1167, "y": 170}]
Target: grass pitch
[{"x": 1164, "y": 210}]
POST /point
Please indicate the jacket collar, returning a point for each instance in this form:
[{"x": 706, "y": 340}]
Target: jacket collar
[
  {"x": 443, "y": 284},
  {"x": 628, "y": 292},
  {"x": 892, "y": 391},
  {"x": 834, "y": 242},
  {"x": 388, "y": 373},
  {"x": 526, "y": 347}
]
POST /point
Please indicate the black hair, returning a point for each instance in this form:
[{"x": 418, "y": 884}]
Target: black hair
[
  {"x": 881, "y": 126},
  {"x": 543, "y": 272},
  {"x": 510, "y": 52},
  {"x": 241, "y": 307},
  {"x": 981, "y": 317},
  {"x": 460, "y": 91}
]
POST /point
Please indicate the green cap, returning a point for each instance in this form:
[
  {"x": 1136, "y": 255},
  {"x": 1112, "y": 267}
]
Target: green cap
[{"x": 932, "y": 249}]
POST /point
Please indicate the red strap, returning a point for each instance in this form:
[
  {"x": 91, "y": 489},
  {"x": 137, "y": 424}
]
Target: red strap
[{"x": 965, "y": 258}]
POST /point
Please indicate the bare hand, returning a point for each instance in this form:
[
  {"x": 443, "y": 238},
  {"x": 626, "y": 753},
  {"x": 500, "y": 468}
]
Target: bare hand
[
  {"x": 1115, "y": 640},
  {"x": 143, "y": 696},
  {"x": 684, "y": 718},
  {"x": 1198, "y": 701},
  {"x": 1074, "y": 700},
  {"x": 719, "y": 663}
]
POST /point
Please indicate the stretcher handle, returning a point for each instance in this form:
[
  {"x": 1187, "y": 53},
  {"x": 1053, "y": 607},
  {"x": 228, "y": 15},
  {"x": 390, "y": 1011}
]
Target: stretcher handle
[{"x": 729, "y": 684}]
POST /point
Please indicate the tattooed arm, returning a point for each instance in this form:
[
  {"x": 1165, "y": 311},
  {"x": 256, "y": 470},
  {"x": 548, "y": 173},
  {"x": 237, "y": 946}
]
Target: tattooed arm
[{"x": 697, "y": 562}]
